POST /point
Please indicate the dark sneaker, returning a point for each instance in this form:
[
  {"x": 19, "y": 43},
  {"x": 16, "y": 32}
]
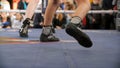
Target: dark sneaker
[
  {"x": 47, "y": 34},
  {"x": 23, "y": 32},
  {"x": 76, "y": 32},
  {"x": 48, "y": 38}
]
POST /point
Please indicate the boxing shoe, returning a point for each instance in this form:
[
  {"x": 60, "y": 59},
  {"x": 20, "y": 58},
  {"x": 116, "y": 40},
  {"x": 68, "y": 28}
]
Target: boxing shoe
[
  {"x": 47, "y": 35},
  {"x": 23, "y": 31},
  {"x": 75, "y": 31}
]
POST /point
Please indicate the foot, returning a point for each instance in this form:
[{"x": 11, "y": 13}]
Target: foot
[
  {"x": 76, "y": 32},
  {"x": 48, "y": 36},
  {"x": 23, "y": 32}
]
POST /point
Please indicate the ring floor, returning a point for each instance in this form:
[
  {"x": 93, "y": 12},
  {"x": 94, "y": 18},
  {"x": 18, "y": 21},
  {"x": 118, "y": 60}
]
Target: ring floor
[{"x": 18, "y": 52}]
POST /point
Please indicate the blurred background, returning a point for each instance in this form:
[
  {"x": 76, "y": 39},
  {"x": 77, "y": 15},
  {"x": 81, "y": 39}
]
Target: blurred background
[{"x": 91, "y": 21}]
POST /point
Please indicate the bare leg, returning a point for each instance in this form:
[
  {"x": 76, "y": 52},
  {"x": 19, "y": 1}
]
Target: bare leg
[
  {"x": 82, "y": 9},
  {"x": 47, "y": 33},
  {"x": 73, "y": 28},
  {"x": 50, "y": 11},
  {"x": 31, "y": 8}
]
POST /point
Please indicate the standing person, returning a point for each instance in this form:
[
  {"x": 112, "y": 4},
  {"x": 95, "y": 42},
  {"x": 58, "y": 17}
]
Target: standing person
[
  {"x": 95, "y": 19},
  {"x": 73, "y": 28},
  {"x": 108, "y": 18},
  {"x": 5, "y": 5},
  {"x": 22, "y": 5}
]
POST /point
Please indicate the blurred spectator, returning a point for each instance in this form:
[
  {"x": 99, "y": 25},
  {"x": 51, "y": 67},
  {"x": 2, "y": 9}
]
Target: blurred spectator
[
  {"x": 5, "y": 20},
  {"x": 0, "y": 6},
  {"x": 0, "y": 21},
  {"x": 38, "y": 17},
  {"x": 95, "y": 20},
  {"x": 59, "y": 20},
  {"x": 11, "y": 3},
  {"x": 37, "y": 20},
  {"x": 15, "y": 4},
  {"x": 17, "y": 21},
  {"x": 108, "y": 18},
  {"x": 69, "y": 6},
  {"x": 5, "y": 5},
  {"x": 22, "y": 4},
  {"x": 114, "y": 3},
  {"x": 107, "y": 4}
]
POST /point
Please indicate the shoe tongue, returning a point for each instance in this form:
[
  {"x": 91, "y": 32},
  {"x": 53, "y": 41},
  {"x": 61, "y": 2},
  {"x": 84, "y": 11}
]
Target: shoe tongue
[{"x": 47, "y": 30}]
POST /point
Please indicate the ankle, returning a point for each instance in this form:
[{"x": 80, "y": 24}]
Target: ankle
[
  {"x": 76, "y": 20},
  {"x": 27, "y": 21},
  {"x": 47, "y": 30}
]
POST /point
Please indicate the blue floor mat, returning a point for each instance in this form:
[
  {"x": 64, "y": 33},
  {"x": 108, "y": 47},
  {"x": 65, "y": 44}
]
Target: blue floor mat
[{"x": 67, "y": 53}]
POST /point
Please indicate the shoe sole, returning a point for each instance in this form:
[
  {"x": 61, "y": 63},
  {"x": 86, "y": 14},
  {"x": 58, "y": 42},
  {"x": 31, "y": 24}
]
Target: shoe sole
[{"x": 82, "y": 38}]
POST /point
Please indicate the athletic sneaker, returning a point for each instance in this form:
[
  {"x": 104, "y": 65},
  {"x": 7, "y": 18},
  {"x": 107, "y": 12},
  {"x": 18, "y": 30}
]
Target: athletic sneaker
[
  {"x": 76, "y": 32},
  {"x": 23, "y": 32},
  {"x": 48, "y": 37}
]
